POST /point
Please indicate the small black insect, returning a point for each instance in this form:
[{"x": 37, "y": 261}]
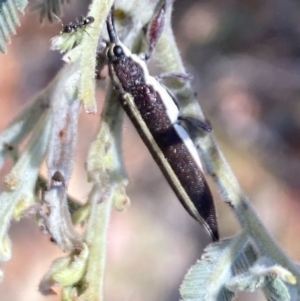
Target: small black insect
[
  {"x": 88, "y": 20},
  {"x": 81, "y": 23}
]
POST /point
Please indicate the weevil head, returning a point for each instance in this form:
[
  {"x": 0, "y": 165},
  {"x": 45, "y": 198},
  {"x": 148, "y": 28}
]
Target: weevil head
[
  {"x": 125, "y": 71},
  {"x": 115, "y": 52},
  {"x": 125, "y": 68}
]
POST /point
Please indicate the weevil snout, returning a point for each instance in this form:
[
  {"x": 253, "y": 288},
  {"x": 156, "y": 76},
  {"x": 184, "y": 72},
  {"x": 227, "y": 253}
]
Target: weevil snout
[{"x": 111, "y": 27}]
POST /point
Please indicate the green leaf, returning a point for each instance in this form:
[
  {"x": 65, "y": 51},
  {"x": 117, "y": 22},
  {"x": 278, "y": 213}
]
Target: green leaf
[
  {"x": 275, "y": 280},
  {"x": 207, "y": 280},
  {"x": 9, "y": 19}
]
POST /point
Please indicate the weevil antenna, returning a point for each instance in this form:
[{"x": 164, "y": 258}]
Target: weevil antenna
[{"x": 111, "y": 26}]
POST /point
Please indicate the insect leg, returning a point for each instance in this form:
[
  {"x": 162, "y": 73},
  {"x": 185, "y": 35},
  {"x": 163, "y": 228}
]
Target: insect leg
[
  {"x": 178, "y": 75},
  {"x": 203, "y": 125}
]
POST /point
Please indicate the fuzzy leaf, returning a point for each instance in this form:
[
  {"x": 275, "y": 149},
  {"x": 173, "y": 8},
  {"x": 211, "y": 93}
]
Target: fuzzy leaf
[
  {"x": 63, "y": 140},
  {"x": 65, "y": 271},
  {"x": 9, "y": 19},
  {"x": 272, "y": 278},
  {"x": 207, "y": 279},
  {"x": 204, "y": 281},
  {"x": 59, "y": 222},
  {"x": 74, "y": 271},
  {"x": 25, "y": 174},
  {"x": 65, "y": 42}
]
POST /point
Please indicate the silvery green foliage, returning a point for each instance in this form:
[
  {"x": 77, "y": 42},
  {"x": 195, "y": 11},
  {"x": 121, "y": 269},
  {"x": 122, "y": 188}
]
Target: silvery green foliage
[
  {"x": 205, "y": 280},
  {"x": 275, "y": 280},
  {"x": 235, "y": 265},
  {"x": 51, "y": 123},
  {"x": 57, "y": 141},
  {"x": 20, "y": 182},
  {"x": 9, "y": 19},
  {"x": 246, "y": 262}
]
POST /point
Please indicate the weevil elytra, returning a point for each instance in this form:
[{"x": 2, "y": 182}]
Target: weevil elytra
[{"x": 156, "y": 117}]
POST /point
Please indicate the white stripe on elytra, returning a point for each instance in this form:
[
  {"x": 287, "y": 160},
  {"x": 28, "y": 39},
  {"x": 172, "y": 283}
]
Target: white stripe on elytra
[{"x": 170, "y": 105}]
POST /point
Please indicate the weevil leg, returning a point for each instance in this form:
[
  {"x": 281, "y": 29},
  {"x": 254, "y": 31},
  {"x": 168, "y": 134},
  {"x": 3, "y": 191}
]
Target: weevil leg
[
  {"x": 177, "y": 75},
  {"x": 203, "y": 125},
  {"x": 184, "y": 119}
]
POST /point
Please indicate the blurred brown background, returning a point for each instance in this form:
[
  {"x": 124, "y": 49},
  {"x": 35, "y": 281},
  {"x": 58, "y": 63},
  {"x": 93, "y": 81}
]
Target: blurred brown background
[{"x": 244, "y": 56}]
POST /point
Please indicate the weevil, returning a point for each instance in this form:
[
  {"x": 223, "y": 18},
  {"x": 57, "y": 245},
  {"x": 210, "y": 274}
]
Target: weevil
[{"x": 156, "y": 116}]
